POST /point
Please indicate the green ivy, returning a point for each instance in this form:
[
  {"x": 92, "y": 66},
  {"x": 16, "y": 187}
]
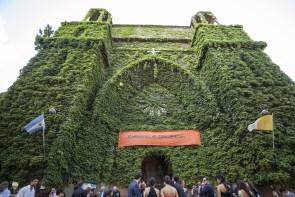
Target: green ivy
[{"x": 101, "y": 79}]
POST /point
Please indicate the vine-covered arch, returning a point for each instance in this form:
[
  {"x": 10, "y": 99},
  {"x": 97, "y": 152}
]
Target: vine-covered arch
[
  {"x": 146, "y": 74},
  {"x": 150, "y": 94}
]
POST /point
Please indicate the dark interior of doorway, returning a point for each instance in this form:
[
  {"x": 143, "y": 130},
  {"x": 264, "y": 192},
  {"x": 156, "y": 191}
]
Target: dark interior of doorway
[{"x": 156, "y": 165}]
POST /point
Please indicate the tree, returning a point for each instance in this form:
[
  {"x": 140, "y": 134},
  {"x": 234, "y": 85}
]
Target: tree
[{"x": 46, "y": 33}]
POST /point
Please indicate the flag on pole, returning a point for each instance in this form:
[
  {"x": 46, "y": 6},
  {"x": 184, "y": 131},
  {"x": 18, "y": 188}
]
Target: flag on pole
[
  {"x": 36, "y": 125},
  {"x": 264, "y": 123}
]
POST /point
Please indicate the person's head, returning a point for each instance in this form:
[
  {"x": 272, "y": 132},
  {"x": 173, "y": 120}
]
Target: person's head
[
  {"x": 242, "y": 186},
  {"x": 235, "y": 187},
  {"x": 102, "y": 188},
  {"x": 5, "y": 184},
  {"x": 34, "y": 182},
  {"x": 138, "y": 176},
  {"x": 176, "y": 179},
  {"x": 282, "y": 190},
  {"x": 14, "y": 185},
  {"x": 60, "y": 193},
  {"x": 220, "y": 179},
  {"x": 53, "y": 190},
  {"x": 152, "y": 182},
  {"x": 142, "y": 185},
  {"x": 167, "y": 180},
  {"x": 2, "y": 188},
  {"x": 80, "y": 183},
  {"x": 115, "y": 188},
  {"x": 205, "y": 180}
]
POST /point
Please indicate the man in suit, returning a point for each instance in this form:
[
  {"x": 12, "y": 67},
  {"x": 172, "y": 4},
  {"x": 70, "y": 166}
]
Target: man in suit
[
  {"x": 178, "y": 186},
  {"x": 206, "y": 189},
  {"x": 102, "y": 192},
  {"x": 79, "y": 191},
  {"x": 133, "y": 188},
  {"x": 115, "y": 192}
]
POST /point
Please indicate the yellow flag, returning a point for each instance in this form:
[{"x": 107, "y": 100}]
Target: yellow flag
[{"x": 264, "y": 123}]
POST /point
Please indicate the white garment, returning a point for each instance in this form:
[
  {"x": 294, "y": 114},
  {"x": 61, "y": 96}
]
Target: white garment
[
  {"x": 5, "y": 193},
  {"x": 26, "y": 192}
]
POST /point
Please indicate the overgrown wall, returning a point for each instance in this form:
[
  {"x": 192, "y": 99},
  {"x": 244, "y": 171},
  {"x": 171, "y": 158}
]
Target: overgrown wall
[
  {"x": 244, "y": 82},
  {"x": 65, "y": 74},
  {"x": 102, "y": 79}
]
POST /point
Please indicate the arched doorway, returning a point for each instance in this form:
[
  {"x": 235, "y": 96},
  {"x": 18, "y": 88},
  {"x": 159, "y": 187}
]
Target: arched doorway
[
  {"x": 150, "y": 94},
  {"x": 156, "y": 165}
]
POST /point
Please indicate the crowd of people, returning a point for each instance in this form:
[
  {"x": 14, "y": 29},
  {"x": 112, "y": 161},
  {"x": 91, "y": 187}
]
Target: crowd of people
[{"x": 171, "y": 187}]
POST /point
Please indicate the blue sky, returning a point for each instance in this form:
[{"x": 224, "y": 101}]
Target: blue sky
[{"x": 264, "y": 20}]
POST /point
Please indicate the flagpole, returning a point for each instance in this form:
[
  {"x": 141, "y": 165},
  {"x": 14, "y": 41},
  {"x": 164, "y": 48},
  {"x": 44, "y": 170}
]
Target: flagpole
[
  {"x": 44, "y": 142},
  {"x": 44, "y": 137},
  {"x": 273, "y": 135}
]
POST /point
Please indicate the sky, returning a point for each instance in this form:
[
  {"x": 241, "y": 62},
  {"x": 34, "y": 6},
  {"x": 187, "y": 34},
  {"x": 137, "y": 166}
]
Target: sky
[{"x": 271, "y": 21}]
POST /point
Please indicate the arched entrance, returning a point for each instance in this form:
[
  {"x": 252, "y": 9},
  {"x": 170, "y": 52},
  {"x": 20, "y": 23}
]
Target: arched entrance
[
  {"x": 149, "y": 95},
  {"x": 156, "y": 165}
]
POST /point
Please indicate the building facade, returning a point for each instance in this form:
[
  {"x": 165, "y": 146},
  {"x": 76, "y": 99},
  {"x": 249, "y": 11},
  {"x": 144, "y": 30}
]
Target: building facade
[{"x": 102, "y": 78}]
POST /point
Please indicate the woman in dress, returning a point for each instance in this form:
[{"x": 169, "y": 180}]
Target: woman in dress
[
  {"x": 151, "y": 191},
  {"x": 243, "y": 190},
  {"x": 168, "y": 190}
]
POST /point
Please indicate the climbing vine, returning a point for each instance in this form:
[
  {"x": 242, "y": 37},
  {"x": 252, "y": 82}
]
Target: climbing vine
[{"x": 102, "y": 79}]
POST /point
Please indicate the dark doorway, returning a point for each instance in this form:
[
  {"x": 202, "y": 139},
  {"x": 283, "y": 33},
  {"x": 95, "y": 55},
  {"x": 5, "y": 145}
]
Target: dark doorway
[{"x": 156, "y": 165}]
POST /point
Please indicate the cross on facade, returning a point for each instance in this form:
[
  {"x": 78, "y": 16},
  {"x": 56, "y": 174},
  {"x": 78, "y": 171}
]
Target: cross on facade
[{"x": 153, "y": 51}]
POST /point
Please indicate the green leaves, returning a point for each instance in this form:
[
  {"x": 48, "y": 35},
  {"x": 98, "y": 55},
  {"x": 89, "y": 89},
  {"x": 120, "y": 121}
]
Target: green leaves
[{"x": 100, "y": 85}]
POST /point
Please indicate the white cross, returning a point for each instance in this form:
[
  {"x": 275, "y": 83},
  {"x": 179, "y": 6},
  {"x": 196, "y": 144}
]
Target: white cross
[{"x": 153, "y": 51}]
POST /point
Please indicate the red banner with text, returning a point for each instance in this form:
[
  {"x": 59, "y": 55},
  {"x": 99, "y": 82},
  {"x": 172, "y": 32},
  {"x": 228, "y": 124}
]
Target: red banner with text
[{"x": 159, "y": 138}]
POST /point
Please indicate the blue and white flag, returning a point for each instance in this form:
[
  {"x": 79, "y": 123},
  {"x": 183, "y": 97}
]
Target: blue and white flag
[{"x": 36, "y": 125}]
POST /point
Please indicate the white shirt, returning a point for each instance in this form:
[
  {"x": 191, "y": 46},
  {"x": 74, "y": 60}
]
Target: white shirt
[
  {"x": 5, "y": 193},
  {"x": 26, "y": 192}
]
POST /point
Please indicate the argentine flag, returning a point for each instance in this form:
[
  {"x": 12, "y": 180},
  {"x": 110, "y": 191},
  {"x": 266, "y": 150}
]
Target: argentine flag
[{"x": 36, "y": 125}]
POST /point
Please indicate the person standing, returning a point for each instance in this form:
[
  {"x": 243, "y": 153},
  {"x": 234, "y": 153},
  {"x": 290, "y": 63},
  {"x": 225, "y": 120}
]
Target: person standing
[
  {"x": 274, "y": 191},
  {"x": 195, "y": 190},
  {"x": 42, "y": 192},
  {"x": 102, "y": 192},
  {"x": 286, "y": 193},
  {"x": 29, "y": 190},
  {"x": 168, "y": 190},
  {"x": 52, "y": 192},
  {"x": 133, "y": 188},
  {"x": 179, "y": 187},
  {"x": 242, "y": 190},
  {"x": 151, "y": 191},
  {"x": 115, "y": 192},
  {"x": 60, "y": 193},
  {"x": 79, "y": 191},
  {"x": 206, "y": 189},
  {"x": 223, "y": 188},
  {"x": 4, "y": 191}
]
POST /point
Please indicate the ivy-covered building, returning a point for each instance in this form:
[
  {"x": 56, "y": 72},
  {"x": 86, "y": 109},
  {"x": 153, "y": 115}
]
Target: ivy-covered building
[{"x": 102, "y": 78}]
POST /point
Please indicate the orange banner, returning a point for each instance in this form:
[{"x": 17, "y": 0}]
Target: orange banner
[{"x": 159, "y": 138}]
